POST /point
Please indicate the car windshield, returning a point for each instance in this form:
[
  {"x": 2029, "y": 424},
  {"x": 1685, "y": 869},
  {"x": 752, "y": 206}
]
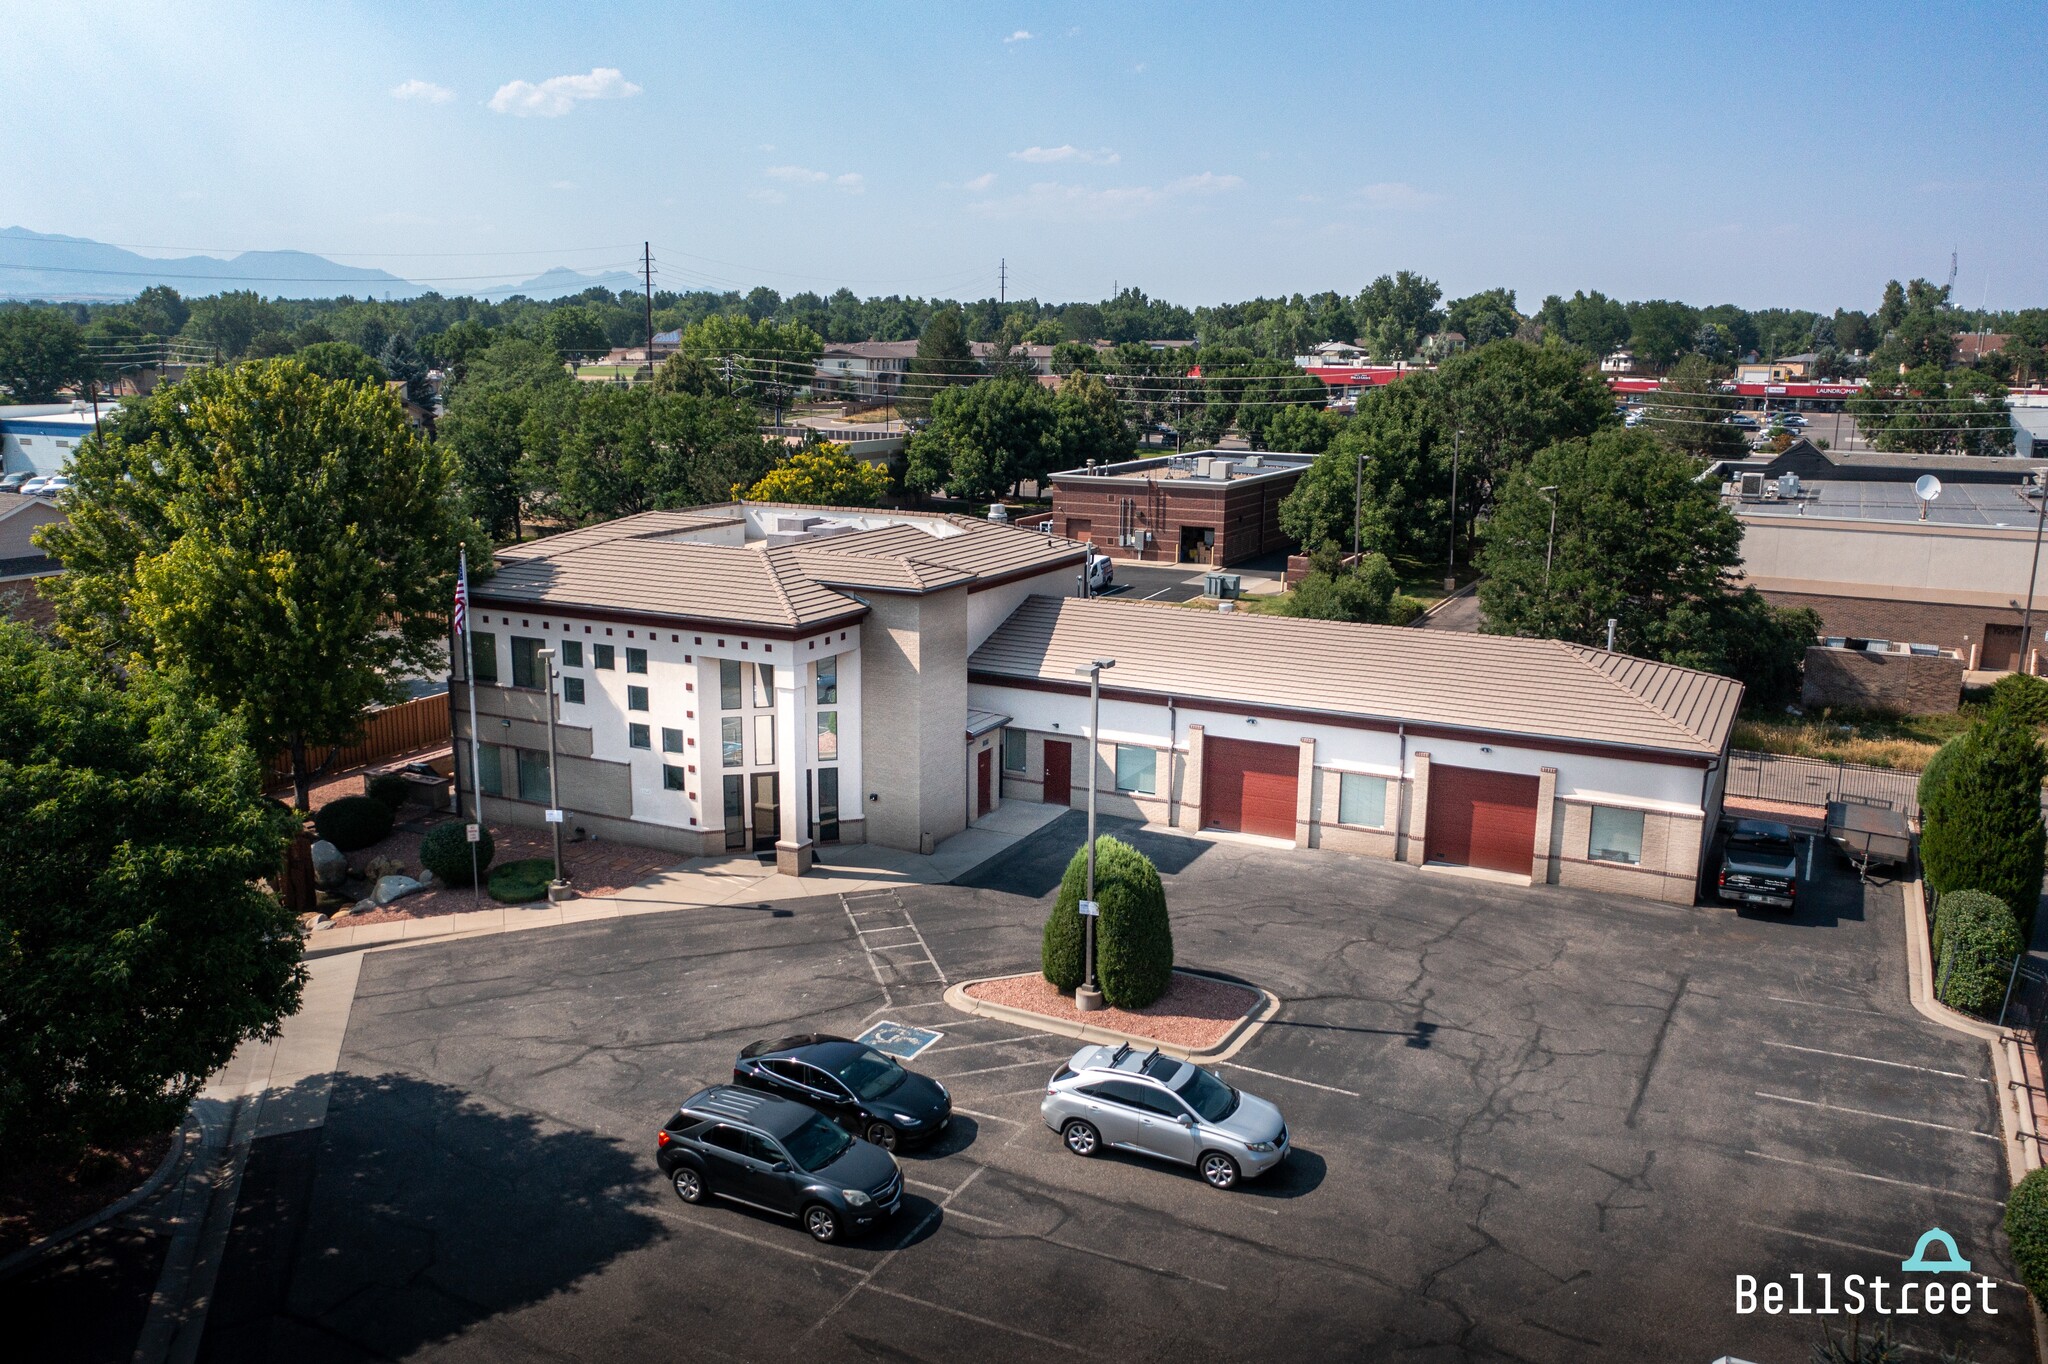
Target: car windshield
[
  {"x": 817, "y": 1143},
  {"x": 1207, "y": 1095},
  {"x": 871, "y": 1074}
]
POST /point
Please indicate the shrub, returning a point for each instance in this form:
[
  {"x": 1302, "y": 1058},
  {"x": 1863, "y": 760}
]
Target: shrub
[
  {"x": 445, "y": 852},
  {"x": 2023, "y": 697},
  {"x": 1982, "y": 817},
  {"x": 1361, "y": 592},
  {"x": 390, "y": 788},
  {"x": 1936, "y": 771},
  {"x": 1975, "y": 941},
  {"x": 353, "y": 822},
  {"x": 517, "y": 882},
  {"x": 2026, "y": 1227},
  {"x": 1133, "y": 939}
]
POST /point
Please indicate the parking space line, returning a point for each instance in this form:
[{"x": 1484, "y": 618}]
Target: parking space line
[
  {"x": 1877, "y": 1061},
  {"x": 1275, "y": 1075},
  {"x": 1866, "y": 1113},
  {"x": 1879, "y": 1179},
  {"x": 1834, "y": 1008},
  {"x": 868, "y": 1275},
  {"x": 978, "y": 1321},
  {"x": 994, "y": 1042},
  {"x": 927, "y": 1184},
  {"x": 990, "y": 1070},
  {"x": 992, "y": 1117},
  {"x": 706, "y": 1224},
  {"x": 1851, "y": 1245},
  {"x": 872, "y": 932}
]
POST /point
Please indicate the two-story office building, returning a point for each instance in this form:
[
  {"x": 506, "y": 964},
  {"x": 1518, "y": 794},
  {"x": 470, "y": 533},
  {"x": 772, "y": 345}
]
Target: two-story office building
[{"x": 759, "y": 677}]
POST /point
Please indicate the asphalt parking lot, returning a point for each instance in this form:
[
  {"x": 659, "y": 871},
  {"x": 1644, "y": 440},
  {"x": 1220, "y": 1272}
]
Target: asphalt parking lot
[
  {"x": 1156, "y": 582},
  {"x": 1529, "y": 1124}
]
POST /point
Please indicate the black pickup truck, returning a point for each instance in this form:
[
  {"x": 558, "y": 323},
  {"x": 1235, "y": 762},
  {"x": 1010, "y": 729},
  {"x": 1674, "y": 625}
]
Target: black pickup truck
[{"x": 1759, "y": 864}]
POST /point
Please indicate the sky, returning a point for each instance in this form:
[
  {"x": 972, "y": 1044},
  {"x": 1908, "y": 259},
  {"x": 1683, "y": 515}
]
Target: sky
[{"x": 1780, "y": 155}]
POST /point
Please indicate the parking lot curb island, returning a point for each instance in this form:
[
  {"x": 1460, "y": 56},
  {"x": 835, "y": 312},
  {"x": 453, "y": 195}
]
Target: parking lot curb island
[
  {"x": 188, "y": 1134},
  {"x": 1232, "y": 1041}
]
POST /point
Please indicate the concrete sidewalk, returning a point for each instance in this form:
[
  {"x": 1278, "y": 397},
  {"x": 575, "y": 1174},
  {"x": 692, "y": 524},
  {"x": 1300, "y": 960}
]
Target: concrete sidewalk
[{"x": 703, "y": 881}]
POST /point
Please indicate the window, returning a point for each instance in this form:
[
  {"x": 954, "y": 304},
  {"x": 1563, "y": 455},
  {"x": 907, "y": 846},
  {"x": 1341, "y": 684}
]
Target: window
[
  {"x": 735, "y": 812},
  {"x": 828, "y": 805},
  {"x": 828, "y": 681},
  {"x": 637, "y": 736},
  {"x": 636, "y": 660},
  {"x": 1137, "y": 769},
  {"x": 533, "y": 775},
  {"x": 1362, "y": 800},
  {"x": 636, "y": 698},
  {"x": 526, "y": 671},
  {"x": 601, "y": 656},
  {"x": 764, "y": 741},
  {"x": 728, "y": 684},
  {"x": 483, "y": 656},
  {"x": 572, "y": 690},
  {"x": 491, "y": 773},
  {"x": 828, "y": 736},
  {"x": 1617, "y": 836},
  {"x": 572, "y": 653},
  {"x": 671, "y": 740},
  {"x": 764, "y": 684},
  {"x": 1131, "y": 1094},
  {"x": 732, "y": 740},
  {"x": 1015, "y": 747},
  {"x": 672, "y": 779}
]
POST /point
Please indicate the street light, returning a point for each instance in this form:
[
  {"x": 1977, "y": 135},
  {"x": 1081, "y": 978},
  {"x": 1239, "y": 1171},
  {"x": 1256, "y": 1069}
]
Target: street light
[
  {"x": 558, "y": 889},
  {"x": 2027, "y": 618},
  {"x": 1088, "y": 997},
  {"x": 1451, "y": 565},
  {"x": 1358, "y": 503},
  {"x": 1549, "y": 495}
]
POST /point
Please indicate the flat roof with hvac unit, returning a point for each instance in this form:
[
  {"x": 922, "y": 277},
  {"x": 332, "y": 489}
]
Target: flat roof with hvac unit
[{"x": 1213, "y": 507}]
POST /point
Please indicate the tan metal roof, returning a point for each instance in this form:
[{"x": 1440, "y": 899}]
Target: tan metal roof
[
  {"x": 986, "y": 549},
  {"x": 828, "y": 565},
  {"x": 671, "y": 578},
  {"x": 1487, "y": 683}
]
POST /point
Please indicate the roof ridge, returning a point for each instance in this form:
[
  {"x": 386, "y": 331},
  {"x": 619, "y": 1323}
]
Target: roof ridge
[{"x": 1586, "y": 657}]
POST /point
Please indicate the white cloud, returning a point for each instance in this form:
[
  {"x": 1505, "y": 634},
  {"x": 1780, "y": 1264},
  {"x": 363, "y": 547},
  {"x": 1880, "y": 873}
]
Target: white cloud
[
  {"x": 980, "y": 183},
  {"x": 557, "y": 95},
  {"x": 1053, "y": 200},
  {"x": 851, "y": 182},
  {"x": 1397, "y": 194},
  {"x": 796, "y": 175},
  {"x": 1041, "y": 156},
  {"x": 1208, "y": 182},
  {"x": 422, "y": 92},
  {"x": 1020, "y": 36}
]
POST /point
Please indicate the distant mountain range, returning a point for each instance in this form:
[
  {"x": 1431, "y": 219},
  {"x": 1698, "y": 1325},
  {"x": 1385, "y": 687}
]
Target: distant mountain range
[{"x": 49, "y": 266}]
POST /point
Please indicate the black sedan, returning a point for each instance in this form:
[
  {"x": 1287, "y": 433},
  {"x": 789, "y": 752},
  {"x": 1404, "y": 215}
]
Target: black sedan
[{"x": 856, "y": 1086}]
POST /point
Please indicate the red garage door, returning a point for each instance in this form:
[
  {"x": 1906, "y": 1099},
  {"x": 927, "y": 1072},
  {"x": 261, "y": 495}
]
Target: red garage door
[
  {"x": 1249, "y": 787},
  {"x": 1481, "y": 819}
]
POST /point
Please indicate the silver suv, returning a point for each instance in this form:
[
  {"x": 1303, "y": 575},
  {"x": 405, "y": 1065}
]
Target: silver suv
[{"x": 1159, "y": 1106}]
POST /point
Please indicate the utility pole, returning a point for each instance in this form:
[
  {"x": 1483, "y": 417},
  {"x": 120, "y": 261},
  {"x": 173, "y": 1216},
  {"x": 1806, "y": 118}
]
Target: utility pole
[
  {"x": 1549, "y": 495},
  {"x": 1088, "y": 997},
  {"x": 1002, "y": 282},
  {"x": 1357, "y": 505},
  {"x": 2027, "y": 618},
  {"x": 647, "y": 278}
]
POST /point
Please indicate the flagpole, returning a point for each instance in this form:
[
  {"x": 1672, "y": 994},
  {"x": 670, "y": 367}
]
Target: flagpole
[{"x": 476, "y": 760}]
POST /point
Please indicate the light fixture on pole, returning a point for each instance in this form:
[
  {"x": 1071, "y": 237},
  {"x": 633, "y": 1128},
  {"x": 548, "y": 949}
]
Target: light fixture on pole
[
  {"x": 1451, "y": 564},
  {"x": 1088, "y": 998},
  {"x": 558, "y": 889},
  {"x": 2040, "y": 516},
  {"x": 1549, "y": 495}
]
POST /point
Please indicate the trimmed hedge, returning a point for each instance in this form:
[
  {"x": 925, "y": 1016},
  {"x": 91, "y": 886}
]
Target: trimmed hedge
[
  {"x": 445, "y": 852},
  {"x": 1975, "y": 940},
  {"x": 1133, "y": 939},
  {"x": 2026, "y": 1226},
  {"x": 517, "y": 882},
  {"x": 1982, "y": 816},
  {"x": 2023, "y": 697},
  {"x": 353, "y": 822},
  {"x": 390, "y": 788}
]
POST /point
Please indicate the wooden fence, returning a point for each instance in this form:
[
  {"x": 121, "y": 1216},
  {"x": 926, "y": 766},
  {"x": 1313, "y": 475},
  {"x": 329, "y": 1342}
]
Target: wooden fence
[{"x": 386, "y": 733}]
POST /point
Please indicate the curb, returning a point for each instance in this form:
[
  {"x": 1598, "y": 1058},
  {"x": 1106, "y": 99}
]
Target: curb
[
  {"x": 28, "y": 1255},
  {"x": 1245, "y": 1029}
]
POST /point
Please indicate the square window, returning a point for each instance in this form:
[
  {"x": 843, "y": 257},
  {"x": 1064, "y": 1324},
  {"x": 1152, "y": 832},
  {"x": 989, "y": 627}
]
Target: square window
[
  {"x": 1015, "y": 750},
  {"x": 1362, "y": 800},
  {"x": 572, "y": 653},
  {"x": 671, "y": 740},
  {"x": 672, "y": 778},
  {"x": 1137, "y": 769},
  {"x": 636, "y": 698},
  {"x": 729, "y": 684},
  {"x": 764, "y": 741},
  {"x": 828, "y": 681},
  {"x": 572, "y": 690},
  {"x": 828, "y": 736},
  {"x": 732, "y": 739},
  {"x": 638, "y": 736},
  {"x": 636, "y": 660},
  {"x": 533, "y": 775},
  {"x": 601, "y": 656},
  {"x": 1617, "y": 836}
]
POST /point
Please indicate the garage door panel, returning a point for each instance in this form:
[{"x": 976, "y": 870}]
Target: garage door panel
[
  {"x": 1482, "y": 819},
  {"x": 1250, "y": 787}
]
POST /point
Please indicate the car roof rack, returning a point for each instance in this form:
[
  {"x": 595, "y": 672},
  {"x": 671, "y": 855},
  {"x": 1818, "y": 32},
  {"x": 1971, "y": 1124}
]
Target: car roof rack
[{"x": 1119, "y": 1054}]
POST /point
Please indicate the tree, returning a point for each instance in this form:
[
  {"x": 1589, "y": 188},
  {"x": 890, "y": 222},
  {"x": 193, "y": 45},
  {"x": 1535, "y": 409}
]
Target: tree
[
  {"x": 1394, "y": 313},
  {"x": 41, "y": 351},
  {"x": 286, "y": 541},
  {"x": 510, "y": 362},
  {"x": 229, "y": 321},
  {"x": 1088, "y": 424},
  {"x": 824, "y": 475},
  {"x": 342, "y": 363},
  {"x": 1593, "y": 322},
  {"x": 140, "y": 947},
  {"x": 1403, "y": 511},
  {"x": 484, "y": 432},
  {"x": 1660, "y": 331},
  {"x": 1361, "y": 592},
  {"x": 943, "y": 359},
  {"x": 1981, "y": 821},
  {"x": 983, "y": 439},
  {"x": 159, "y": 311},
  {"x": 1512, "y": 399},
  {"x": 1933, "y": 410},
  {"x": 1303, "y": 430},
  {"x": 1482, "y": 317},
  {"x": 1689, "y": 411},
  {"x": 399, "y": 360},
  {"x": 767, "y": 361},
  {"x": 574, "y": 333},
  {"x": 628, "y": 450},
  {"x": 1133, "y": 935}
]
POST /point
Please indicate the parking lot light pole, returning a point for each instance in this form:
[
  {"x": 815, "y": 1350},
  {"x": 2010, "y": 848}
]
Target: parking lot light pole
[
  {"x": 1549, "y": 495},
  {"x": 558, "y": 889},
  {"x": 1088, "y": 997},
  {"x": 1451, "y": 563}
]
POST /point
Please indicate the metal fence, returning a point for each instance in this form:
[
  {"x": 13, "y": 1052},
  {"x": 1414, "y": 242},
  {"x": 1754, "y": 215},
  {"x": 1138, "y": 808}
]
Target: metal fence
[{"x": 1810, "y": 781}]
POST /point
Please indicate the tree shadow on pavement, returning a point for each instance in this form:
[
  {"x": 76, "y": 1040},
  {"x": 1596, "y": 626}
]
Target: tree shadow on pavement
[
  {"x": 1033, "y": 866},
  {"x": 414, "y": 1214}
]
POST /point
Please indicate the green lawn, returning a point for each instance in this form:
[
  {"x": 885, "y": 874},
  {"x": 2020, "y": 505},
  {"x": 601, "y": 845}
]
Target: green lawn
[{"x": 517, "y": 882}]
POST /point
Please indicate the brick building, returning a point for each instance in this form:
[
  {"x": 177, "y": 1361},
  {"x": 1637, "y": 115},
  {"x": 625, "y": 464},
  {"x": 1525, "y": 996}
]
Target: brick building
[{"x": 1213, "y": 507}]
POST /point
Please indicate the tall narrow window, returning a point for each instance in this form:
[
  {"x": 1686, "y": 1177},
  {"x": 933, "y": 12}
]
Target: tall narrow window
[
  {"x": 828, "y": 681},
  {"x": 490, "y": 766},
  {"x": 1015, "y": 748},
  {"x": 735, "y": 811},
  {"x": 764, "y": 741},
  {"x": 526, "y": 669},
  {"x": 828, "y": 736},
  {"x": 483, "y": 656},
  {"x": 636, "y": 660},
  {"x": 764, "y": 684},
  {"x": 729, "y": 684},
  {"x": 828, "y": 805},
  {"x": 732, "y": 741},
  {"x": 533, "y": 775}
]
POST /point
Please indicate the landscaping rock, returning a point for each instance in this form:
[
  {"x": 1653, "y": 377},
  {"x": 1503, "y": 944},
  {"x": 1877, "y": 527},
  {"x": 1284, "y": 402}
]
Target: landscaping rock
[
  {"x": 381, "y": 867},
  {"x": 390, "y": 888},
  {"x": 429, "y": 881},
  {"x": 330, "y": 866}
]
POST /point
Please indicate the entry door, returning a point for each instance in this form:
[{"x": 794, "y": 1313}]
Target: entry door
[
  {"x": 1481, "y": 819},
  {"x": 1250, "y": 787},
  {"x": 984, "y": 781},
  {"x": 1059, "y": 772},
  {"x": 767, "y": 809},
  {"x": 2001, "y": 649}
]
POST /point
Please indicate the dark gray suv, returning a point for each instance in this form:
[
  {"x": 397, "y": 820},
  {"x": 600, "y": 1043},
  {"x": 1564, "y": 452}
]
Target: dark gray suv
[{"x": 780, "y": 1157}]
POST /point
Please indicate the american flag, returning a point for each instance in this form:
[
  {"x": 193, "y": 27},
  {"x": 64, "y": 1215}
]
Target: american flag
[{"x": 462, "y": 595}]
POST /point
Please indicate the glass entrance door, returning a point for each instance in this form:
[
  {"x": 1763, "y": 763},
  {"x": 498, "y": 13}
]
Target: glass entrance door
[{"x": 767, "y": 809}]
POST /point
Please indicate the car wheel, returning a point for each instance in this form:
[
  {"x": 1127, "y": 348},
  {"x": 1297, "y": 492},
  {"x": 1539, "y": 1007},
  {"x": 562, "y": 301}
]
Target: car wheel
[
  {"x": 1081, "y": 1139},
  {"x": 689, "y": 1184},
  {"x": 882, "y": 1135},
  {"x": 1220, "y": 1170},
  {"x": 822, "y": 1223}
]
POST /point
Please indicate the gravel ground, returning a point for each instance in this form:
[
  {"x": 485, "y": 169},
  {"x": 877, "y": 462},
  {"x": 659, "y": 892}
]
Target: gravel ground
[
  {"x": 1195, "y": 1012},
  {"x": 37, "y": 1198}
]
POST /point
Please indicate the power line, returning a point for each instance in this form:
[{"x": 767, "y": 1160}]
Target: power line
[{"x": 274, "y": 279}]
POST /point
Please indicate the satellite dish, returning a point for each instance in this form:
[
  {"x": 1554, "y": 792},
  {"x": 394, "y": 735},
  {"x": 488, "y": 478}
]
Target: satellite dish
[{"x": 1927, "y": 487}]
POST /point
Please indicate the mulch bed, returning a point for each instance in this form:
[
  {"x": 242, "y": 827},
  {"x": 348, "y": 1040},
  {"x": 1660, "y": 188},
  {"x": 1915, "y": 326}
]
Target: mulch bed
[
  {"x": 1195, "y": 1012},
  {"x": 37, "y": 1199}
]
